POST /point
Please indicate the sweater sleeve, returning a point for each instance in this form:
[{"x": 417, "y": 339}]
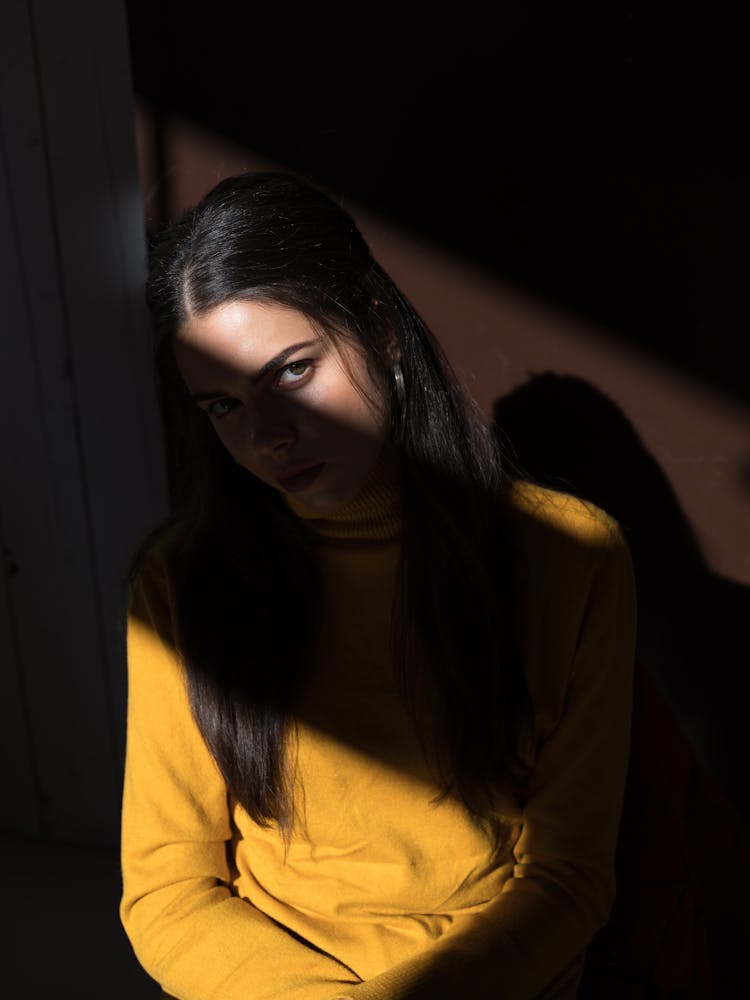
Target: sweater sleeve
[
  {"x": 187, "y": 929},
  {"x": 533, "y": 936}
]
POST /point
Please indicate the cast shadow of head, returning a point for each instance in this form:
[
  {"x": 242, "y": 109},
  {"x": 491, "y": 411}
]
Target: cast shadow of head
[{"x": 562, "y": 432}]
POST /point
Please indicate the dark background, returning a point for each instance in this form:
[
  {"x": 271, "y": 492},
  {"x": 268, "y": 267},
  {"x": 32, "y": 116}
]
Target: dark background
[{"x": 594, "y": 157}]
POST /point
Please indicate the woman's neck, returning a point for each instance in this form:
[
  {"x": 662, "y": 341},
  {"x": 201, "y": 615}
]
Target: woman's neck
[{"x": 373, "y": 514}]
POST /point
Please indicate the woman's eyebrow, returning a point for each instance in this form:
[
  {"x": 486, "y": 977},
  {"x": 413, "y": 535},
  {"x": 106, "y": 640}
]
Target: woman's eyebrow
[{"x": 269, "y": 366}]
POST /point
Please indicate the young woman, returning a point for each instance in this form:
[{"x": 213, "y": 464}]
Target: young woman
[{"x": 379, "y": 693}]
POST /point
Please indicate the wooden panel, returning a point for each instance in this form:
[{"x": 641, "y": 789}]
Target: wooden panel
[
  {"x": 19, "y": 803},
  {"x": 80, "y": 461},
  {"x": 84, "y": 65}
]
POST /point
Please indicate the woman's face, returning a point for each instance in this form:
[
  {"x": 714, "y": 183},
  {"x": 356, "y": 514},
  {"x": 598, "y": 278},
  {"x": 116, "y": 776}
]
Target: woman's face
[{"x": 303, "y": 415}]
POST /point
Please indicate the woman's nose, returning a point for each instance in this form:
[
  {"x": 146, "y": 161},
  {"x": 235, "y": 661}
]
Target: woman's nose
[{"x": 270, "y": 430}]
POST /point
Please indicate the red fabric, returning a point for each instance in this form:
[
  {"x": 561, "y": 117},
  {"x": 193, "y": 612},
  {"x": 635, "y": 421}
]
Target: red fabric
[{"x": 679, "y": 926}]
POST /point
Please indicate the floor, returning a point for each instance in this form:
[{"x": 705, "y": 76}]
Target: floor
[{"x": 60, "y": 925}]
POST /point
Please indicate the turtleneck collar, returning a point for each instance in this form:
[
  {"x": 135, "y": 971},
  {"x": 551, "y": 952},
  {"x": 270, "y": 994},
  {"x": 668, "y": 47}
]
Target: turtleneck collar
[{"x": 374, "y": 514}]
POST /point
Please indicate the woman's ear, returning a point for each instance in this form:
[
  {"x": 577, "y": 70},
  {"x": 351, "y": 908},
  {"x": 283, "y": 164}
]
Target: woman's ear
[{"x": 393, "y": 349}]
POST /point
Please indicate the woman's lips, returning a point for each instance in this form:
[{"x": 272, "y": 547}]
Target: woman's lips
[{"x": 300, "y": 480}]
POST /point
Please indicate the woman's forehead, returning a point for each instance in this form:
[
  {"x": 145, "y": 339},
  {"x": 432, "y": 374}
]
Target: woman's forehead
[
  {"x": 242, "y": 335},
  {"x": 244, "y": 339},
  {"x": 244, "y": 325}
]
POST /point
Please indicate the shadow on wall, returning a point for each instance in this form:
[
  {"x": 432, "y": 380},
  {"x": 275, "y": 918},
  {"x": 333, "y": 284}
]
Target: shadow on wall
[{"x": 561, "y": 431}]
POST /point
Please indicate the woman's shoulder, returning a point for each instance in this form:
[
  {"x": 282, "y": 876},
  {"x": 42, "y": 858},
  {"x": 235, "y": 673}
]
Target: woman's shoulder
[
  {"x": 157, "y": 551},
  {"x": 552, "y": 509},
  {"x": 540, "y": 515},
  {"x": 153, "y": 572},
  {"x": 571, "y": 571}
]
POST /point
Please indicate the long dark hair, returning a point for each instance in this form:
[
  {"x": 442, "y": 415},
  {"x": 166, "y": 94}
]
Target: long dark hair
[{"x": 241, "y": 561}]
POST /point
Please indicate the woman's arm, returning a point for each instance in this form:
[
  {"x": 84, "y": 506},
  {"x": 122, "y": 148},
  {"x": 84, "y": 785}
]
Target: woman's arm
[
  {"x": 532, "y": 938},
  {"x": 187, "y": 929}
]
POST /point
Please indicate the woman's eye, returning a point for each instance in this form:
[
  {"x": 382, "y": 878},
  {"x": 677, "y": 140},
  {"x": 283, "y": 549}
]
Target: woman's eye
[
  {"x": 293, "y": 372},
  {"x": 220, "y": 407}
]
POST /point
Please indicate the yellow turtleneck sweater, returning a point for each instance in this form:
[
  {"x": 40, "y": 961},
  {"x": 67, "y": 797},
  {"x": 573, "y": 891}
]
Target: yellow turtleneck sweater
[{"x": 382, "y": 895}]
